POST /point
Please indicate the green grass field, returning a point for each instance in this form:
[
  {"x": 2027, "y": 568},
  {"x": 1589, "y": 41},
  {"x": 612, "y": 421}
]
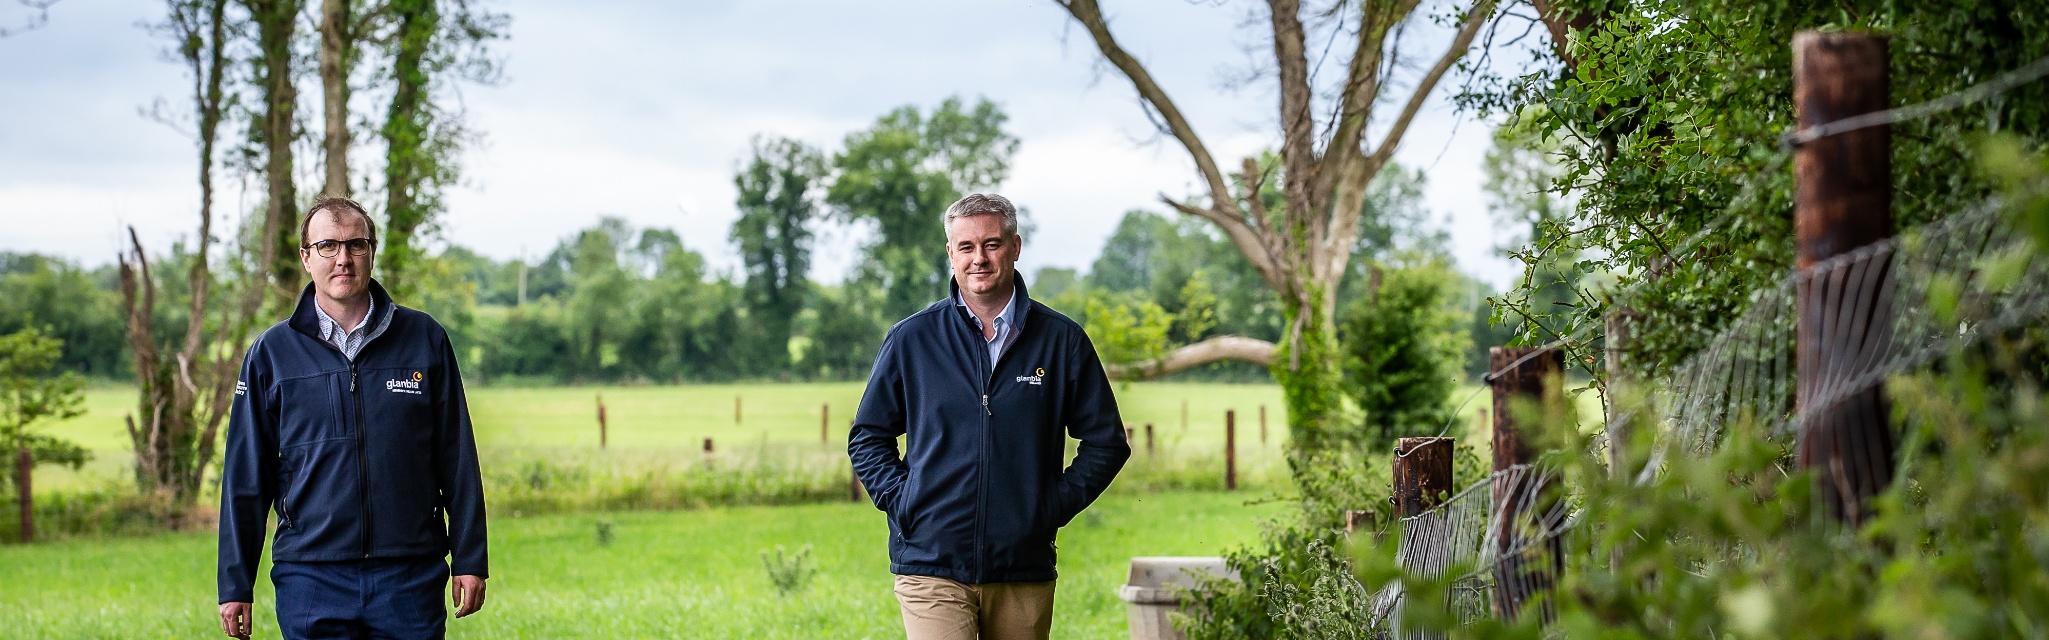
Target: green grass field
[
  {"x": 665, "y": 574},
  {"x": 670, "y": 423}
]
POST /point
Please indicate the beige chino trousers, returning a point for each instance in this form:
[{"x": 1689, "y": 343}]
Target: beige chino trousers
[{"x": 941, "y": 609}]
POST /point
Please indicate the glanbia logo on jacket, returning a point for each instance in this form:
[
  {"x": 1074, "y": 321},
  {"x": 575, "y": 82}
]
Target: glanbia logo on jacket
[{"x": 406, "y": 386}]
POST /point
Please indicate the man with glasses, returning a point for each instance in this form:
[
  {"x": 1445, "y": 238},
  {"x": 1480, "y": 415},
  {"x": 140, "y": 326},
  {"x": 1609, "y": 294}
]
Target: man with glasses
[{"x": 349, "y": 421}]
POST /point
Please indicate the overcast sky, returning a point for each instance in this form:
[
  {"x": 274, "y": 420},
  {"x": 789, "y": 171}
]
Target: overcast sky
[{"x": 643, "y": 110}]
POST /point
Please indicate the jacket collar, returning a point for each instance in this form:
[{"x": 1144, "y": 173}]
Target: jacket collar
[
  {"x": 1020, "y": 302},
  {"x": 307, "y": 321}
]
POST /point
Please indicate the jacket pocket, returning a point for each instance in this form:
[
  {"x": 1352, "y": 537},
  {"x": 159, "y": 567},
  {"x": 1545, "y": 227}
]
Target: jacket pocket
[
  {"x": 900, "y": 515},
  {"x": 315, "y": 410}
]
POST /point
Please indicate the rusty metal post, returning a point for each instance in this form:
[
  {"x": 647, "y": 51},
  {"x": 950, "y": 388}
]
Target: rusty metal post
[
  {"x": 1230, "y": 450},
  {"x": 1524, "y": 501},
  {"x": 1844, "y": 201}
]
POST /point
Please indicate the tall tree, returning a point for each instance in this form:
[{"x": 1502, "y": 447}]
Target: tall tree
[
  {"x": 338, "y": 33},
  {"x": 1302, "y": 248},
  {"x": 777, "y": 201},
  {"x": 186, "y": 381},
  {"x": 901, "y": 174},
  {"x": 33, "y": 389},
  {"x": 274, "y": 131},
  {"x": 434, "y": 42}
]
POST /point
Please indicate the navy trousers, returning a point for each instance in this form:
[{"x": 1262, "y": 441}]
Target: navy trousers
[{"x": 397, "y": 598}]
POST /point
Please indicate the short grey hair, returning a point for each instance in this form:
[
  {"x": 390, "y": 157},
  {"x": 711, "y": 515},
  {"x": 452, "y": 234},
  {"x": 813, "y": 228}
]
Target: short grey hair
[{"x": 983, "y": 204}]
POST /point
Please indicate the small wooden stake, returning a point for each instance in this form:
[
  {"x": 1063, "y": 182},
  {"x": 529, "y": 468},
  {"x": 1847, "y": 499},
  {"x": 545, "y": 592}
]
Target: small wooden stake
[
  {"x": 24, "y": 467},
  {"x": 1230, "y": 450},
  {"x": 1148, "y": 438},
  {"x": 601, "y": 421}
]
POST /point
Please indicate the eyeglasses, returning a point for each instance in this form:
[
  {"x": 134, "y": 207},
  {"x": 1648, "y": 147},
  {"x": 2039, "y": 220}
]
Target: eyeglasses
[{"x": 327, "y": 248}]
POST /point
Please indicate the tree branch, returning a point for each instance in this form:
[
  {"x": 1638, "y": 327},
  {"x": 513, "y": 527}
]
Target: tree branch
[
  {"x": 1215, "y": 349},
  {"x": 1251, "y": 242},
  {"x": 1351, "y": 188},
  {"x": 1298, "y": 146},
  {"x": 1090, "y": 15}
]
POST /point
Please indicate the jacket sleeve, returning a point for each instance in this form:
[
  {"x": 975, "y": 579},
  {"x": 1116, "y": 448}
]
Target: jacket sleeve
[
  {"x": 459, "y": 478},
  {"x": 879, "y": 420},
  {"x": 1092, "y": 418},
  {"x": 248, "y": 479}
]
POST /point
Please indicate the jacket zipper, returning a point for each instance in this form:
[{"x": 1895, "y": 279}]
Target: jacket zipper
[
  {"x": 982, "y": 517},
  {"x": 362, "y": 464}
]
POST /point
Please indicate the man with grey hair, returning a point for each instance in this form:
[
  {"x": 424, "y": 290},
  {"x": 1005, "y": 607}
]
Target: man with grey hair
[{"x": 986, "y": 386}]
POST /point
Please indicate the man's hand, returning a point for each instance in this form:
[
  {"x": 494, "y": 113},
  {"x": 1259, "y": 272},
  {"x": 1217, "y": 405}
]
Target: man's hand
[
  {"x": 467, "y": 594},
  {"x": 236, "y": 619}
]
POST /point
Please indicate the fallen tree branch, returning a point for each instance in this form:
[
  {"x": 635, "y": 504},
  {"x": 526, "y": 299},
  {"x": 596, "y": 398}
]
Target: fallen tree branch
[{"x": 1216, "y": 349}]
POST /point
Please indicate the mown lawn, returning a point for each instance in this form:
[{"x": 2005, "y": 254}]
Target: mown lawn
[{"x": 665, "y": 574}]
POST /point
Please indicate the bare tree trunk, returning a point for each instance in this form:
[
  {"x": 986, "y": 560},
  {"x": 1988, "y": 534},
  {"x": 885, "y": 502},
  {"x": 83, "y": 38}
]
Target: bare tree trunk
[
  {"x": 185, "y": 393},
  {"x": 1302, "y": 250},
  {"x": 337, "y": 56},
  {"x": 276, "y": 26}
]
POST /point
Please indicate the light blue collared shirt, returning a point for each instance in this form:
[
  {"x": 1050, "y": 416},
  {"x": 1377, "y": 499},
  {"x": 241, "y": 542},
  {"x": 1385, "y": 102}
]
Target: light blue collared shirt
[
  {"x": 1006, "y": 326},
  {"x": 349, "y": 341}
]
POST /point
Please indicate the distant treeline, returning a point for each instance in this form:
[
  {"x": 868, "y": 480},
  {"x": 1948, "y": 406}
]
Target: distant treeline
[{"x": 616, "y": 303}]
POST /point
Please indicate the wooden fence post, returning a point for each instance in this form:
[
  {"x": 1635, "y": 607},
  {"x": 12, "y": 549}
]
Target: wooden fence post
[
  {"x": 853, "y": 485},
  {"x": 1844, "y": 201},
  {"x": 1148, "y": 438},
  {"x": 707, "y": 446},
  {"x": 824, "y": 422},
  {"x": 1128, "y": 435},
  {"x": 736, "y": 409},
  {"x": 601, "y": 422},
  {"x": 1422, "y": 481},
  {"x": 1422, "y": 474},
  {"x": 24, "y": 468},
  {"x": 1230, "y": 450},
  {"x": 1525, "y": 501}
]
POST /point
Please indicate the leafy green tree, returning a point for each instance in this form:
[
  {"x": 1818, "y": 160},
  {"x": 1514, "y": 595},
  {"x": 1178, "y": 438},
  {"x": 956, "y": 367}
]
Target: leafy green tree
[
  {"x": 1675, "y": 110},
  {"x": 777, "y": 201},
  {"x": 1403, "y": 347},
  {"x": 70, "y": 304},
  {"x": 601, "y": 288},
  {"x": 843, "y": 332},
  {"x": 900, "y": 174},
  {"x": 433, "y": 44},
  {"x": 34, "y": 388}
]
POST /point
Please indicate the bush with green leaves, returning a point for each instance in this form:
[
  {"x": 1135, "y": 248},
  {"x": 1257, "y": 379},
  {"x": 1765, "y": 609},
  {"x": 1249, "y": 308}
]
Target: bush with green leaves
[{"x": 1403, "y": 344}]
